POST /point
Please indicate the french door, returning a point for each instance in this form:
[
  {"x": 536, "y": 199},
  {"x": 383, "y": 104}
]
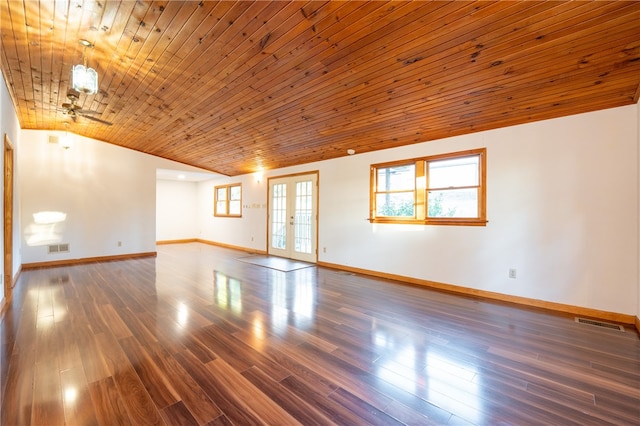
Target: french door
[{"x": 293, "y": 218}]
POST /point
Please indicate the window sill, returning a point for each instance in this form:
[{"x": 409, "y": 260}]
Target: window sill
[{"x": 445, "y": 222}]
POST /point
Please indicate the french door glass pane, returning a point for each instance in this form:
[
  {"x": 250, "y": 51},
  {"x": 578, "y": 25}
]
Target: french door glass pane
[
  {"x": 303, "y": 213},
  {"x": 279, "y": 216}
]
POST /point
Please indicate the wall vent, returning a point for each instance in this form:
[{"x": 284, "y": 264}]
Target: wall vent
[
  {"x": 600, "y": 324},
  {"x": 54, "y": 139},
  {"x": 58, "y": 248}
]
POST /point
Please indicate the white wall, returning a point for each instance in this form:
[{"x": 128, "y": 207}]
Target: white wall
[
  {"x": 250, "y": 230},
  {"x": 562, "y": 204},
  {"x": 107, "y": 193},
  {"x": 9, "y": 125},
  {"x": 176, "y": 213}
]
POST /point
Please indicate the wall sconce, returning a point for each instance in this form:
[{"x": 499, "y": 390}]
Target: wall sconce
[
  {"x": 258, "y": 175},
  {"x": 65, "y": 140}
]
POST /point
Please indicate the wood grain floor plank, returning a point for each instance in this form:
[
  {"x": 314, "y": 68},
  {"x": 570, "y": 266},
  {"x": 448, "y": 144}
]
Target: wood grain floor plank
[
  {"x": 190, "y": 393},
  {"x": 136, "y": 399},
  {"x": 110, "y": 408},
  {"x": 318, "y": 382},
  {"x": 298, "y": 407},
  {"x": 245, "y": 396},
  {"x": 168, "y": 333},
  {"x": 129, "y": 385},
  {"x": 47, "y": 399},
  {"x": 152, "y": 377},
  {"x": 17, "y": 399},
  {"x": 76, "y": 397},
  {"x": 195, "y": 336},
  {"x": 117, "y": 327},
  {"x": 250, "y": 358},
  {"x": 365, "y": 411},
  {"x": 217, "y": 394},
  {"x": 341, "y": 373},
  {"x": 136, "y": 326},
  {"x": 337, "y": 413},
  {"x": 178, "y": 414},
  {"x": 220, "y": 421}
]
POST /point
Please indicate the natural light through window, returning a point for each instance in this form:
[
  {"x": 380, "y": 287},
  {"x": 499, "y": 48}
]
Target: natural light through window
[{"x": 447, "y": 189}]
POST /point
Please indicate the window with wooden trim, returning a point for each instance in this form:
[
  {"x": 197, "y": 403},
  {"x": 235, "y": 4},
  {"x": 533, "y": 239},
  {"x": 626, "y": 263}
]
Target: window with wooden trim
[
  {"x": 228, "y": 200},
  {"x": 446, "y": 189}
]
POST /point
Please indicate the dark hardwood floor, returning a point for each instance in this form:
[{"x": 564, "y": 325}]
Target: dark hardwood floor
[{"x": 195, "y": 336}]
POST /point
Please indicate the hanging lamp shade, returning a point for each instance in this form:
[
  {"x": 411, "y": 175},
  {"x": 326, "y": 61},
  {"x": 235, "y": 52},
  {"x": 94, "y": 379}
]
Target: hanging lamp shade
[{"x": 84, "y": 79}]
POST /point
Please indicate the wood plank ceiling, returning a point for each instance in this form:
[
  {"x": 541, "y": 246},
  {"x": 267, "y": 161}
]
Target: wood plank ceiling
[{"x": 236, "y": 86}]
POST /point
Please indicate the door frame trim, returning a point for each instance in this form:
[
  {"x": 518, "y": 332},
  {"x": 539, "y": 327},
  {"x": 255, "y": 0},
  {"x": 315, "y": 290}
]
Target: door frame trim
[
  {"x": 317, "y": 200},
  {"x": 8, "y": 184}
]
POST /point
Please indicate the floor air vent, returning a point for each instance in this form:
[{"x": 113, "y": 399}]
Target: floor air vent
[
  {"x": 600, "y": 324},
  {"x": 58, "y": 248}
]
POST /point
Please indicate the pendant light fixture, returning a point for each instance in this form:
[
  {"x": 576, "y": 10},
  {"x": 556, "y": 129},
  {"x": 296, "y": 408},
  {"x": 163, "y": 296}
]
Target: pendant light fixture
[{"x": 83, "y": 78}]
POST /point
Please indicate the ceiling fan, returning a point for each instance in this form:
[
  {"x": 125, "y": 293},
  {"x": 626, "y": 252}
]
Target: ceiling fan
[{"x": 74, "y": 111}]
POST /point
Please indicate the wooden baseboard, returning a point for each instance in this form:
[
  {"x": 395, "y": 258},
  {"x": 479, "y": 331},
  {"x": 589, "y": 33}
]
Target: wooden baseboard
[
  {"x": 69, "y": 262},
  {"x": 229, "y": 246},
  {"x": 483, "y": 294},
  {"x": 4, "y": 303},
  {"x": 189, "y": 240},
  {"x": 211, "y": 243},
  {"x": 16, "y": 276}
]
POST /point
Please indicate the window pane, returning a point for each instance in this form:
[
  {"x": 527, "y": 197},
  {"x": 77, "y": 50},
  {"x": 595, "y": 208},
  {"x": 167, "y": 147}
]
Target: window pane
[
  {"x": 454, "y": 172},
  {"x": 221, "y": 207},
  {"x": 453, "y": 203},
  {"x": 395, "y": 204},
  {"x": 397, "y": 178},
  {"x": 235, "y": 192},
  {"x": 234, "y": 207},
  {"x": 221, "y": 194}
]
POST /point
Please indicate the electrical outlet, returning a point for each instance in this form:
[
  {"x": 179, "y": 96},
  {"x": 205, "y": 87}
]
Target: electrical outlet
[
  {"x": 512, "y": 273},
  {"x": 324, "y": 249},
  {"x": 119, "y": 243}
]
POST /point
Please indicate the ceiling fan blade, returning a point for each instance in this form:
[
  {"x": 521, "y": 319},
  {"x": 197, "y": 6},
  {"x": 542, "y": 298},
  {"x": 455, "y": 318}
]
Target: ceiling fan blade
[
  {"x": 86, "y": 111},
  {"x": 97, "y": 120}
]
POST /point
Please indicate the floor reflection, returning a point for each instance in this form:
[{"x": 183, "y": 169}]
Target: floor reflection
[
  {"x": 227, "y": 292},
  {"x": 293, "y": 299},
  {"x": 426, "y": 370}
]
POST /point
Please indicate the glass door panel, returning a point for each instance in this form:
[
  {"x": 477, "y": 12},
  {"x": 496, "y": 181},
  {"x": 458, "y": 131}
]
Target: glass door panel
[{"x": 293, "y": 217}]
